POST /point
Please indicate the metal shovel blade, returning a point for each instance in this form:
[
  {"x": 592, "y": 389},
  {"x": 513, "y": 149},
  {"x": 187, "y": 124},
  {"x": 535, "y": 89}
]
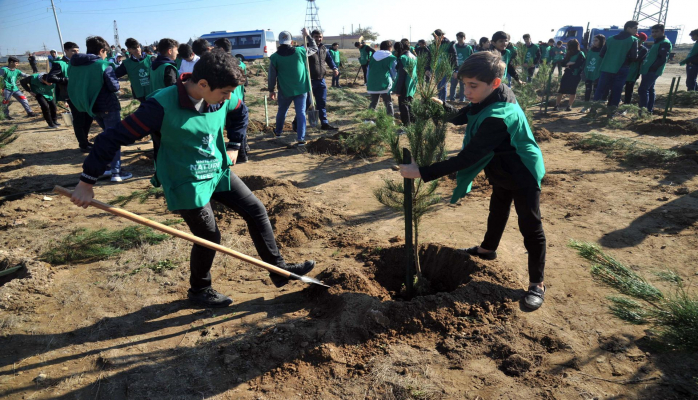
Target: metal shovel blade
[
  {"x": 307, "y": 279},
  {"x": 313, "y": 118}
]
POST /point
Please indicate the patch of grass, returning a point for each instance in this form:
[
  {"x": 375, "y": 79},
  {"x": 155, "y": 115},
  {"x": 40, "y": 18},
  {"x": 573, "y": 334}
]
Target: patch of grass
[
  {"x": 355, "y": 99},
  {"x": 251, "y": 101},
  {"x": 8, "y": 136},
  {"x": 130, "y": 108},
  {"x": 615, "y": 117},
  {"x": 158, "y": 267},
  {"x": 682, "y": 98},
  {"x": 141, "y": 195},
  {"x": 673, "y": 317},
  {"x": 627, "y": 150},
  {"x": 252, "y": 82},
  {"x": 171, "y": 222},
  {"x": 83, "y": 245},
  {"x": 371, "y": 137}
]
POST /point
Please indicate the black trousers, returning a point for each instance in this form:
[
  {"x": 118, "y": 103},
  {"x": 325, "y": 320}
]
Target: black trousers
[
  {"x": 81, "y": 124},
  {"x": 202, "y": 223},
  {"x": 365, "y": 69},
  {"x": 405, "y": 106},
  {"x": 590, "y": 89},
  {"x": 527, "y": 205},
  {"x": 629, "y": 88},
  {"x": 48, "y": 109}
]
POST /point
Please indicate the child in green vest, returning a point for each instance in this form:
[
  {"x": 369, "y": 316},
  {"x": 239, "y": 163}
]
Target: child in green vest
[
  {"x": 653, "y": 66},
  {"x": 10, "y": 74},
  {"x": 138, "y": 68},
  {"x": 406, "y": 84},
  {"x": 557, "y": 54},
  {"x": 532, "y": 59},
  {"x": 337, "y": 58},
  {"x": 365, "y": 53},
  {"x": 463, "y": 51},
  {"x": 500, "y": 44},
  {"x": 691, "y": 63},
  {"x": 42, "y": 90},
  {"x": 616, "y": 56},
  {"x": 381, "y": 76},
  {"x": 634, "y": 72},
  {"x": 92, "y": 89},
  {"x": 498, "y": 140},
  {"x": 193, "y": 165},
  {"x": 164, "y": 69},
  {"x": 574, "y": 65},
  {"x": 592, "y": 67}
]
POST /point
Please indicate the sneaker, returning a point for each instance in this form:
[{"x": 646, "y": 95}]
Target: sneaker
[
  {"x": 52, "y": 127},
  {"x": 241, "y": 160},
  {"x": 121, "y": 176},
  {"x": 87, "y": 149},
  {"x": 534, "y": 297},
  {"x": 301, "y": 143},
  {"x": 32, "y": 115},
  {"x": 106, "y": 173},
  {"x": 584, "y": 110},
  {"x": 328, "y": 127},
  {"x": 294, "y": 124},
  {"x": 277, "y": 135},
  {"x": 208, "y": 297},
  {"x": 556, "y": 108},
  {"x": 473, "y": 251},
  {"x": 56, "y": 123},
  {"x": 7, "y": 117},
  {"x": 298, "y": 269},
  {"x": 568, "y": 108}
]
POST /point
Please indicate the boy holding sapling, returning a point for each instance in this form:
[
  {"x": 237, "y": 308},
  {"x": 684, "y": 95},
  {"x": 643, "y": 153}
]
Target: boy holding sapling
[
  {"x": 498, "y": 140},
  {"x": 193, "y": 164}
]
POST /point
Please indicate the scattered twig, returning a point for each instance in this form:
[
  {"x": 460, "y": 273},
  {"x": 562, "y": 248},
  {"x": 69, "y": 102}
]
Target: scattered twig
[{"x": 621, "y": 382}]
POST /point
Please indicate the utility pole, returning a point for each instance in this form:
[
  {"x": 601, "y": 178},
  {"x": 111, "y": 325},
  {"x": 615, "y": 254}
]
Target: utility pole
[
  {"x": 60, "y": 37},
  {"x": 342, "y": 37},
  {"x": 410, "y": 34},
  {"x": 116, "y": 37}
]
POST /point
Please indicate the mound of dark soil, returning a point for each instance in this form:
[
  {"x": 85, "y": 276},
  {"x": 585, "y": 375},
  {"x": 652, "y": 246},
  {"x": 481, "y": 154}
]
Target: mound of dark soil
[
  {"x": 660, "y": 127},
  {"x": 257, "y": 127},
  {"x": 542, "y": 135}
]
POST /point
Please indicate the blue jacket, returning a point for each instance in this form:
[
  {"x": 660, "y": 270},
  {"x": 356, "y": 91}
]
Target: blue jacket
[
  {"x": 148, "y": 120},
  {"x": 107, "y": 101}
]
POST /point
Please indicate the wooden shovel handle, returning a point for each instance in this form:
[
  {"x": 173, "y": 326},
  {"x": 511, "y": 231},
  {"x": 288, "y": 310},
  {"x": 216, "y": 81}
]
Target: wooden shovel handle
[{"x": 175, "y": 232}]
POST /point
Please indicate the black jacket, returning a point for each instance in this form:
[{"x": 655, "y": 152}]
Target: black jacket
[
  {"x": 318, "y": 61},
  {"x": 58, "y": 78},
  {"x": 506, "y": 168}
]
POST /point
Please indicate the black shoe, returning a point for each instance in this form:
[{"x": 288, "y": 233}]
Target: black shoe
[
  {"x": 568, "y": 108},
  {"x": 534, "y": 297},
  {"x": 328, "y": 127},
  {"x": 56, "y": 123},
  {"x": 52, "y": 127},
  {"x": 298, "y": 269},
  {"x": 32, "y": 115},
  {"x": 556, "y": 108},
  {"x": 86, "y": 149},
  {"x": 485, "y": 256},
  {"x": 242, "y": 160},
  {"x": 301, "y": 143},
  {"x": 9, "y": 118},
  {"x": 209, "y": 298}
]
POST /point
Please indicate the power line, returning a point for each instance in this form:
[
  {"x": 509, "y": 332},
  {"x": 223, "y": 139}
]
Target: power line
[
  {"x": 130, "y": 8},
  {"x": 174, "y": 9},
  {"x": 24, "y": 12},
  {"x": 24, "y": 23},
  {"x": 19, "y": 19}
]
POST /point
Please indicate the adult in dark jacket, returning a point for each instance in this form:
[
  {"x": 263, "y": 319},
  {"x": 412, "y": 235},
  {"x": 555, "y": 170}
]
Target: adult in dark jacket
[
  {"x": 92, "y": 89},
  {"x": 616, "y": 56},
  {"x": 653, "y": 67},
  {"x": 691, "y": 63},
  {"x": 58, "y": 75},
  {"x": 317, "y": 63},
  {"x": 32, "y": 63}
]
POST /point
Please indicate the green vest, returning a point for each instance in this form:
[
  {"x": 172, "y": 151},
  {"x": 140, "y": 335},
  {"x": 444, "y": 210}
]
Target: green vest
[
  {"x": 336, "y": 57},
  {"x": 545, "y": 54},
  {"x": 178, "y": 62},
  {"x": 652, "y": 57},
  {"x": 506, "y": 57},
  {"x": 531, "y": 54},
  {"x": 11, "y": 78},
  {"x": 409, "y": 63},
  {"x": 85, "y": 83},
  {"x": 192, "y": 162},
  {"x": 41, "y": 88},
  {"x": 240, "y": 90},
  {"x": 363, "y": 55},
  {"x": 379, "y": 78},
  {"x": 558, "y": 53},
  {"x": 462, "y": 53},
  {"x": 616, "y": 53},
  {"x": 521, "y": 139},
  {"x": 634, "y": 71},
  {"x": 139, "y": 76},
  {"x": 157, "y": 76},
  {"x": 592, "y": 69},
  {"x": 62, "y": 95},
  {"x": 574, "y": 59},
  {"x": 292, "y": 73},
  {"x": 694, "y": 51},
  {"x": 63, "y": 65}
]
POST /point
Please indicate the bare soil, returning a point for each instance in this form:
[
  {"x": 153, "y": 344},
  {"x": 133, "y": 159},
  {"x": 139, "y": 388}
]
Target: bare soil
[{"x": 114, "y": 329}]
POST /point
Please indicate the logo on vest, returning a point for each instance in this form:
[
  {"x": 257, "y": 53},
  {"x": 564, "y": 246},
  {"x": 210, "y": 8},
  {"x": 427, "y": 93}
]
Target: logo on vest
[
  {"x": 207, "y": 149},
  {"x": 142, "y": 73}
]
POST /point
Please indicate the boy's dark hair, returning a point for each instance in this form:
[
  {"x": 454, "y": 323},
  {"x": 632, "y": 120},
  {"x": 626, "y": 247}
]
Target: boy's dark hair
[
  {"x": 439, "y": 32},
  {"x": 460, "y": 34},
  {"x": 132, "y": 43},
  {"x": 164, "y": 45},
  {"x": 484, "y": 66},
  {"x": 357, "y": 44},
  {"x": 551, "y": 40},
  {"x": 527, "y": 36},
  {"x": 200, "y": 46},
  {"x": 499, "y": 35},
  {"x": 335, "y": 44},
  {"x": 483, "y": 40},
  {"x": 630, "y": 24},
  {"x": 602, "y": 39},
  {"x": 399, "y": 48},
  {"x": 184, "y": 50},
  {"x": 559, "y": 42},
  {"x": 422, "y": 41},
  {"x": 315, "y": 32},
  {"x": 224, "y": 44},
  {"x": 12, "y": 59},
  {"x": 693, "y": 32},
  {"x": 386, "y": 45},
  {"x": 70, "y": 46},
  {"x": 219, "y": 68},
  {"x": 658, "y": 27},
  {"x": 94, "y": 44}
]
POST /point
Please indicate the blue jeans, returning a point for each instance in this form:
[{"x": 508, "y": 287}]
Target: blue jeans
[
  {"x": 320, "y": 94},
  {"x": 442, "y": 88},
  {"x": 108, "y": 120},
  {"x": 299, "y": 104},
  {"x": 616, "y": 82},
  {"x": 646, "y": 90},
  {"x": 454, "y": 83},
  {"x": 691, "y": 75},
  {"x": 335, "y": 80}
]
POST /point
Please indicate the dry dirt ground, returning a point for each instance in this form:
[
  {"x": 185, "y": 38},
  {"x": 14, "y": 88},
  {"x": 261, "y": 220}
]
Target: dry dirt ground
[{"x": 115, "y": 329}]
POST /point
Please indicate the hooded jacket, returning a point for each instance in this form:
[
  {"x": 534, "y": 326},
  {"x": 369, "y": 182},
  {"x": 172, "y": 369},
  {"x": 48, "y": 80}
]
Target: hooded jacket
[
  {"x": 107, "y": 100},
  {"x": 170, "y": 73}
]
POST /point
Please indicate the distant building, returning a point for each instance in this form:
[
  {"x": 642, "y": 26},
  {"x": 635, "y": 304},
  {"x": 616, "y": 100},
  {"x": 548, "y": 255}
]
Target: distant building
[{"x": 345, "y": 41}]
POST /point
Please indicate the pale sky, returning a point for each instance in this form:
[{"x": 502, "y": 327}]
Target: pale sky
[{"x": 28, "y": 24}]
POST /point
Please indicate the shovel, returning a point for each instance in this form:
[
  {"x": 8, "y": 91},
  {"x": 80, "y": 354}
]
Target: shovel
[
  {"x": 187, "y": 236},
  {"x": 313, "y": 113}
]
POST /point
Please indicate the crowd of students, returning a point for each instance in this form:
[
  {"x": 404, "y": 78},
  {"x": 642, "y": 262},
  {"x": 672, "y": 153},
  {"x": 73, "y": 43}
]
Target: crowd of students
[{"x": 190, "y": 95}]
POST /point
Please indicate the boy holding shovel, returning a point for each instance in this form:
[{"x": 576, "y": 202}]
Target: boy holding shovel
[
  {"x": 193, "y": 164},
  {"x": 498, "y": 140}
]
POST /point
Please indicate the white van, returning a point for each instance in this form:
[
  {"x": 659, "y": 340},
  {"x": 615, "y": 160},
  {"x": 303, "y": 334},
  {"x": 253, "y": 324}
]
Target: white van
[{"x": 247, "y": 45}]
